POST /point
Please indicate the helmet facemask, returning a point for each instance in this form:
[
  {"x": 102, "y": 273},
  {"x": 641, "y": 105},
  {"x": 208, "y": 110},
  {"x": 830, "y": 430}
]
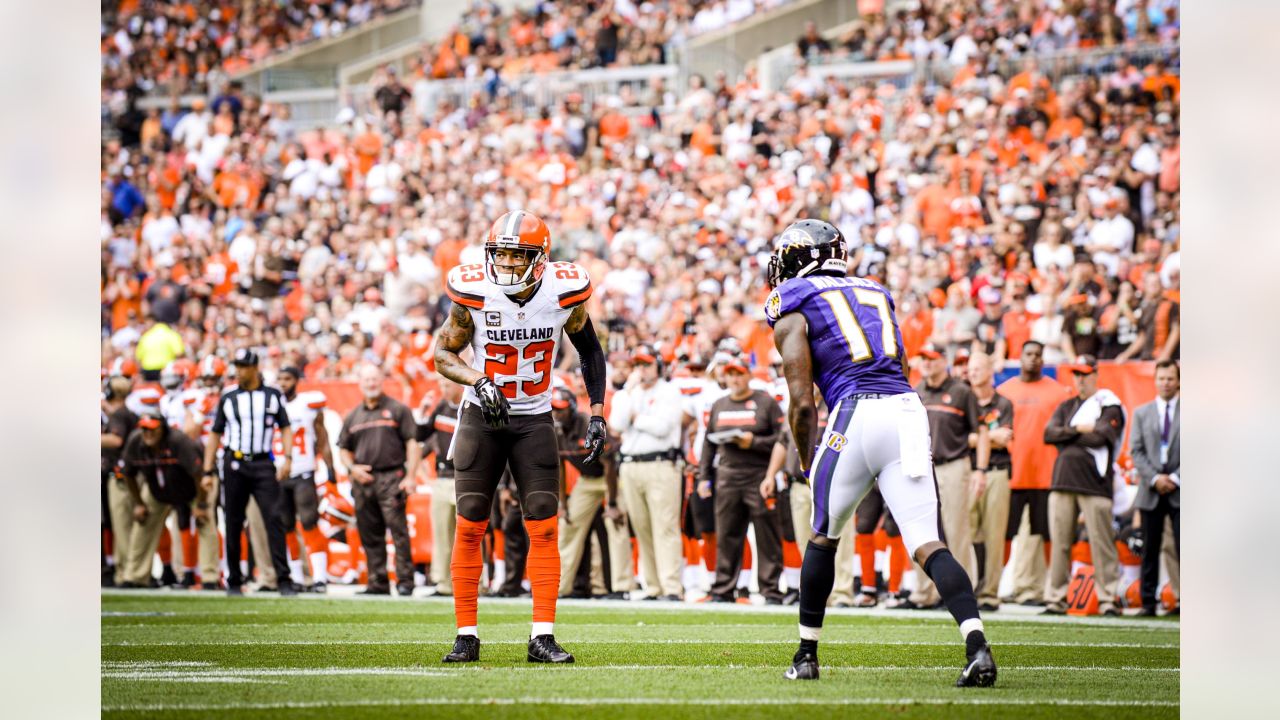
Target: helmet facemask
[{"x": 508, "y": 276}]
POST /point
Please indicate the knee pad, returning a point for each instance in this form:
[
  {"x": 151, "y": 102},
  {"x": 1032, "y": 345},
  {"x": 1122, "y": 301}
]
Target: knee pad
[
  {"x": 540, "y": 505},
  {"x": 474, "y": 507}
]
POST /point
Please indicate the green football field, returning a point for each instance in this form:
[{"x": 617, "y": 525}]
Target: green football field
[{"x": 170, "y": 654}]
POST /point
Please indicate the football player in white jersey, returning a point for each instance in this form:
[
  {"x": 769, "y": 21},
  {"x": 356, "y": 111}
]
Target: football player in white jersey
[
  {"x": 300, "y": 505},
  {"x": 510, "y": 310}
]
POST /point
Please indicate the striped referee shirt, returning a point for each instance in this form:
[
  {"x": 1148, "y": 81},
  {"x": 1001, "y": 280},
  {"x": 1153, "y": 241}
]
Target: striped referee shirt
[{"x": 247, "y": 419}]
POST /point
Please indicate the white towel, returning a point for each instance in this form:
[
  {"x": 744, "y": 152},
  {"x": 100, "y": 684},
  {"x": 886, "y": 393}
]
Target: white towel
[
  {"x": 913, "y": 437},
  {"x": 1089, "y": 412}
]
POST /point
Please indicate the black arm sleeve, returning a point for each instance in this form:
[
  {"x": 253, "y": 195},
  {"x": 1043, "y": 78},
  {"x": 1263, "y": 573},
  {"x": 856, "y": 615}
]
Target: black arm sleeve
[{"x": 591, "y": 354}]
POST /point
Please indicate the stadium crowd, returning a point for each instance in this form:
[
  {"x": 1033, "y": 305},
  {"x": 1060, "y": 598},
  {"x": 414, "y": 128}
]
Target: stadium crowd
[
  {"x": 954, "y": 30},
  {"x": 195, "y": 45},
  {"x": 998, "y": 208}
]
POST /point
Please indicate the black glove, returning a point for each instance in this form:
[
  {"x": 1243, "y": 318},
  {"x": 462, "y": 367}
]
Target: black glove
[
  {"x": 596, "y": 432},
  {"x": 493, "y": 404}
]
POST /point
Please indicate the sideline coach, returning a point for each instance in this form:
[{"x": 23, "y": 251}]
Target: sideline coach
[{"x": 246, "y": 418}]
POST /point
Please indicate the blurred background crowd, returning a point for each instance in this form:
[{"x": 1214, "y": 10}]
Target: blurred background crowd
[{"x": 999, "y": 197}]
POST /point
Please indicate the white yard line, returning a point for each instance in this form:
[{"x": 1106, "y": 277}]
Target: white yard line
[
  {"x": 161, "y": 670},
  {"x": 676, "y": 641},
  {"x": 1009, "y": 613},
  {"x": 745, "y": 702}
]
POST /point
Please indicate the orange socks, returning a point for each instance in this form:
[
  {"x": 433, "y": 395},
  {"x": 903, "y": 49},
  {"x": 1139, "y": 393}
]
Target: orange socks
[
  {"x": 897, "y": 563},
  {"x": 865, "y": 545},
  {"x": 709, "y": 551},
  {"x": 543, "y": 567},
  {"x": 466, "y": 565},
  {"x": 165, "y": 548},
  {"x": 1008, "y": 550}
]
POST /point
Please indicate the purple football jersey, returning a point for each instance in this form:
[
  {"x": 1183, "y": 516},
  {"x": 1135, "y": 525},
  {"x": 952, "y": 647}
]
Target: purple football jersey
[{"x": 853, "y": 335}]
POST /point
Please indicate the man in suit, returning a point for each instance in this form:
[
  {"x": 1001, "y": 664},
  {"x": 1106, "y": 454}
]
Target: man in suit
[{"x": 1154, "y": 446}]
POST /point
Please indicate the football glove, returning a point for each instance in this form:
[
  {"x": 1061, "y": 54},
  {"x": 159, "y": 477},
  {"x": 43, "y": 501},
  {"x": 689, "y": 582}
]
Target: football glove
[
  {"x": 493, "y": 404},
  {"x": 1137, "y": 541},
  {"x": 596, "y": 432}
]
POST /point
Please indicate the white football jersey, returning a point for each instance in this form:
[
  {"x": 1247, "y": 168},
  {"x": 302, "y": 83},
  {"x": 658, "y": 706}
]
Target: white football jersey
[
  {"x": 515, "y": 345},
  {"x": 303, "y": 410}
]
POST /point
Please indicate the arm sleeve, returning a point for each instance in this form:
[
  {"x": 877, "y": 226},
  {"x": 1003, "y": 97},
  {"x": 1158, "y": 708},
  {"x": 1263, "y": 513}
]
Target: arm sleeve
[
  {"x": 344, "y": 435},
  {"x": 764, "y": 442},
  {"x": 587, "y": 343},
  {"x": 282, "y": 415},
  {"x": 1057, "y": 432},
  {"x": 220, "y": 417},
  {"x": 706, "y": 463},
  {"x": 408, "y": 428},
  {"x": 1109, "y": 426},
  {"x": 428, "y": 427},
  {"x": 1141, "y": 454}
]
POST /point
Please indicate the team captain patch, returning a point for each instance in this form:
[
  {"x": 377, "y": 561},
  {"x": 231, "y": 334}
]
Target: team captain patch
[{"x": 493, "y": 319}]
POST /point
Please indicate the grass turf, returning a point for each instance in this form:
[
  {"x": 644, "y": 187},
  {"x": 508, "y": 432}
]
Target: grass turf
[{"x": 196, "y": 655}]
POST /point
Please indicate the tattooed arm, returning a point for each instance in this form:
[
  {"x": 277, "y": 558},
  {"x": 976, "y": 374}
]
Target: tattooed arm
[
  {"x": 454, "y": 336},
  {"x": 790, "y": 334}
]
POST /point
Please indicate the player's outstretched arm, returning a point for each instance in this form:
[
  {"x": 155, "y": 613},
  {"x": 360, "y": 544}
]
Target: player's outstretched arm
[
  {"x": 454, "y": 336},
  {"x": 791, "y": 336}
]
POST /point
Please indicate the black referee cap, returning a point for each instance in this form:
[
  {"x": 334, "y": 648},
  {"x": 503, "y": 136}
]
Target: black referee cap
[{"x": 245, "y": 356}]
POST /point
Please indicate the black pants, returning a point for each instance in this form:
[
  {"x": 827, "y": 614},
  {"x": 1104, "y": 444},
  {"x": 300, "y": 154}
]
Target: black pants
[
  {"x": 299, "y": 502},
  {"x": 240, "y": 481},
  {"x": 738, "y": 504},
  {"x": 482, "y": 454},
  {"x": 1038, "y": 501},
  {"x": 380, "y": 507},
  {"x": 1153, "y": 533}
]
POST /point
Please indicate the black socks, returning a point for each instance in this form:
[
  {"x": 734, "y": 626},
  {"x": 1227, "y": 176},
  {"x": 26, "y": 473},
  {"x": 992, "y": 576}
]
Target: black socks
[
  {"x": 953, "y": 585},
  {"x": 817, "y": 577}
]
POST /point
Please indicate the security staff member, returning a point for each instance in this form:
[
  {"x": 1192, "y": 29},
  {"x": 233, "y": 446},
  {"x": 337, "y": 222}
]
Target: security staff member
[
  {"x": 597, "y": 482},
  {"x": 118, "y": 422},
  {"x": 247, "y": 417},
  {"x": 736, "y": 465},
  {"x": 435, "y": 434},
  {"x": 379, "y": 446},
  {"x": 953, "y": 414},
  {"x": 989, "y": 516},
  {"x": 647, "y": 413},
  {"x": 169, "y": 463}
]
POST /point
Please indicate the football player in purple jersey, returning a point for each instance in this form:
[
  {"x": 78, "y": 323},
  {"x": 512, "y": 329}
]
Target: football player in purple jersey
[{"x": 840, "y": 333}]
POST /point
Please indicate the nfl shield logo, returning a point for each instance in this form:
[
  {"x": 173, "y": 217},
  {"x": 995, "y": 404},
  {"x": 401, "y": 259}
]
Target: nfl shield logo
[{"x": 520, "y": 316}]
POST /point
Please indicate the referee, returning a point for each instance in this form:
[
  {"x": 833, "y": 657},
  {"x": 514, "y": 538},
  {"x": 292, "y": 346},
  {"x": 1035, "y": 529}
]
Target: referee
[{"x": 246, "y": 418}]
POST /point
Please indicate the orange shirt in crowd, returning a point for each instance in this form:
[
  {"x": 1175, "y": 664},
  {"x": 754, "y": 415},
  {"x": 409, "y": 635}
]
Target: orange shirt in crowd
[
  {"x": 1017, "y": 331},
  {"x": 122, "y": 306},
  {"x": 934, "y": 205},
  {"x": 232, "y": 188},
  {"x": 368, "y": 146},
  {"x": 614, "y": 126},
  {"x": 448, "y": 254},
  {"x": 916, "y": 329},
  {"x": 1033, "y": 406},
  {"x": 220, "y": 272}
]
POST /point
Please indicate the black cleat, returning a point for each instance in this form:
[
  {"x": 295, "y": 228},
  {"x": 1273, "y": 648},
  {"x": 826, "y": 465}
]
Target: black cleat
[
  {"x": 545, "y": 649},
  {"x": 188, "y": 579},
  {"x": 167, "y": 577},
  {"x": 288, "y": 589},
  {"x": 319, "y": 588},
  {"x": 466, "y": 648},
  {"x": 981, "y": 670},
  {"x": 210, "y": 586},
  {"x": 804, "y": 666}
]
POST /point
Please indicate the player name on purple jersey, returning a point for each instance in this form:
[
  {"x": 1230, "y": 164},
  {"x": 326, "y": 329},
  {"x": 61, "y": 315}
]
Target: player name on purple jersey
[{"x": 853, "y": 335}]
